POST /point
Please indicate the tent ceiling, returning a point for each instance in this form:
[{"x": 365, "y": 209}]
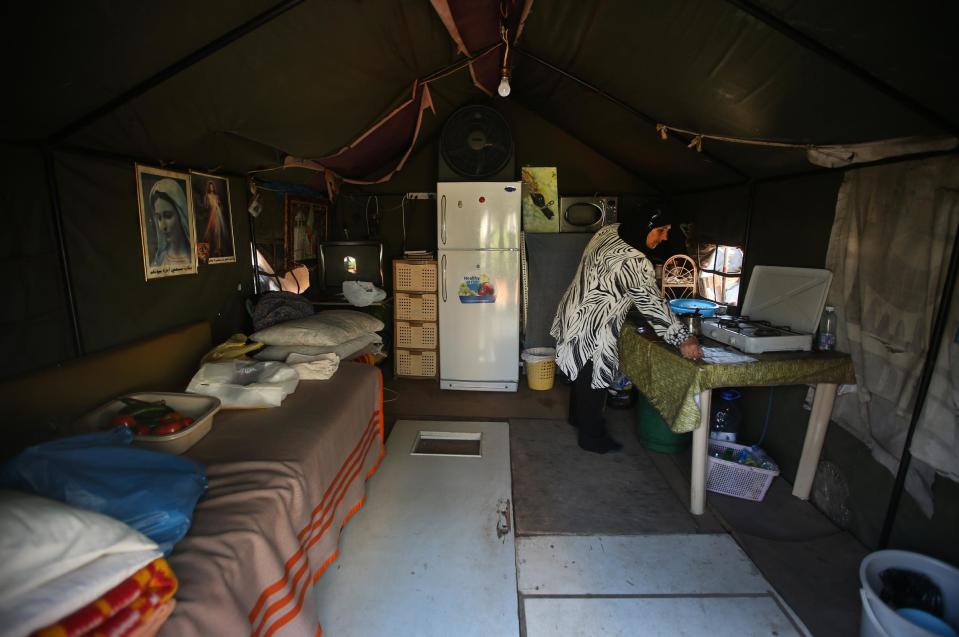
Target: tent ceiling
[{"x": 311, "y": 80}]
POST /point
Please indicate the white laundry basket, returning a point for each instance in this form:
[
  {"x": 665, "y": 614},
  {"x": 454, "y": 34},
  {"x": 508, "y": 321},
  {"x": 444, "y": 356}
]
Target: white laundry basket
[{"x": 878, "y": 619}]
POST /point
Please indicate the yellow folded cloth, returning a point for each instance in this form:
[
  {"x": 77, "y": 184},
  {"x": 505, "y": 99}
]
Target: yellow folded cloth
[{"x": 237, "y": 346}]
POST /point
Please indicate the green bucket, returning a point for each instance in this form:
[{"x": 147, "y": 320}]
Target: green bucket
[{"x": 654, "y": 434}]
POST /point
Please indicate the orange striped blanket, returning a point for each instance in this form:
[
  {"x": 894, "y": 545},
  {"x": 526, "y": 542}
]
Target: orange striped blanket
[
  {"x": 122, "y": 610},
  {"x": 282, "y": 483}
]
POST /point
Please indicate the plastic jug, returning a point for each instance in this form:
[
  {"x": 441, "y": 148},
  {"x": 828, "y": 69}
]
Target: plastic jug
[{"x": 726, "y": 416}]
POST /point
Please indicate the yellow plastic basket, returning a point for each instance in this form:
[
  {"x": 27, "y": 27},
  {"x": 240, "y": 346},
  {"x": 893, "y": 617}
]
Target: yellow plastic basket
[{"x": 540, "y": 367}]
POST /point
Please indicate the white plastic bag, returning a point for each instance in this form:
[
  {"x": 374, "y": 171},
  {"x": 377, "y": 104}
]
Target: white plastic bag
[
  {"x": 362, "y": 293},
  {"x": 539, "y": 355},
  {"x": 245, "y": 385}
]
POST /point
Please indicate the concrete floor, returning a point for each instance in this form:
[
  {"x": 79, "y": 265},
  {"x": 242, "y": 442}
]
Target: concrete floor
[{"x": 560, "y": 490}]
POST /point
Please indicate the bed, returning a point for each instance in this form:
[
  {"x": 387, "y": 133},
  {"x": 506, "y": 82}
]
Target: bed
[{"x": 282, "y": 481}]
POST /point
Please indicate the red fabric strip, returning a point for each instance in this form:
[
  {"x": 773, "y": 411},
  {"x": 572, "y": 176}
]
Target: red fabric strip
[{"x": 326, "y": 506}]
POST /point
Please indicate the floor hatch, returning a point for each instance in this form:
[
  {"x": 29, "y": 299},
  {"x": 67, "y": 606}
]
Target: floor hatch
[{"x": 448, "y": 443}]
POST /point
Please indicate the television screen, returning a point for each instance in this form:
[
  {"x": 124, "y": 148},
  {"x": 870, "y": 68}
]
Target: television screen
[{"x": 350, "y": 261}]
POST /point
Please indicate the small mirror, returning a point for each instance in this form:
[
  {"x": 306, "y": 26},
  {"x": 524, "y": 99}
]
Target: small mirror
[{"x": 350, "y": 264}]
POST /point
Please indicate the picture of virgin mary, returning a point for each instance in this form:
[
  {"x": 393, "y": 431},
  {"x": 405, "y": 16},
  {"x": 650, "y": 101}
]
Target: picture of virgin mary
[{"x": 166, "y": 223}]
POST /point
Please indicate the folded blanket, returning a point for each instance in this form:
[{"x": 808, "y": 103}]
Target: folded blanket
[
  {"x": 321, "y": 367},
  {"x": 122, "y": 609}
]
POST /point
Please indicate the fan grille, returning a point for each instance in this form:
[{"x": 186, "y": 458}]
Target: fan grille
[{"x": 476, "y": 142}]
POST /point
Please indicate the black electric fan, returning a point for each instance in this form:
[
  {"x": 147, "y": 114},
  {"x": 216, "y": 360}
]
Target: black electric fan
[{"x": 476, "y": 145}]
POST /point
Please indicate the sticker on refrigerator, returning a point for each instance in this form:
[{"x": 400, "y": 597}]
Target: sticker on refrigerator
[{"x": 477, "y": 289}]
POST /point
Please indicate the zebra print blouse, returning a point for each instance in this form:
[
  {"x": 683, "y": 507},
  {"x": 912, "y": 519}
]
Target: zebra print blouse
[{"x": 612, "y": 276}]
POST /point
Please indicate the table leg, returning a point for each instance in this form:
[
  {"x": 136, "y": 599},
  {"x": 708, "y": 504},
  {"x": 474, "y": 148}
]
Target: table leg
[
  {"x": 815, "y": 436},
  {"x": 697, "y": 499}
]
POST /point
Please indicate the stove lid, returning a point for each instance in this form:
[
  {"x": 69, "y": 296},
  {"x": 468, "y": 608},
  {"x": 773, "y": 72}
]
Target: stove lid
[{"x": 787, "y": 296}]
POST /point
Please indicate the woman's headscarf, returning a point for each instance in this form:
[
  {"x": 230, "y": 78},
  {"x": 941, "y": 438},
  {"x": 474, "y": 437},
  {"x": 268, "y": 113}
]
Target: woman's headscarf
[
  {"x": 633, "y": 228},
  {"x": 172, "y": 191}
]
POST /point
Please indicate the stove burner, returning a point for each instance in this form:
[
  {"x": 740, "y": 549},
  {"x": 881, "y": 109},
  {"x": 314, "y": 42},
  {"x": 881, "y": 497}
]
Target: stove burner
[
  {"x": 766, "y": 331},
  {"x": 752, "y": 327}
]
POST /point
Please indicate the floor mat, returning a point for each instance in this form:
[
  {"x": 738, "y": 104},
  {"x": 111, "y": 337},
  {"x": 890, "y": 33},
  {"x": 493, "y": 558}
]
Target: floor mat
[
  {"x": 656, "y": 585},
  {"x": 560, "y": 489}
]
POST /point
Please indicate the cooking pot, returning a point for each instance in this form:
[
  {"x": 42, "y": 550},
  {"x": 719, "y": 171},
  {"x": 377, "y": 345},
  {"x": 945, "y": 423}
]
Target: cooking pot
[{"x": 692, "y": 320}]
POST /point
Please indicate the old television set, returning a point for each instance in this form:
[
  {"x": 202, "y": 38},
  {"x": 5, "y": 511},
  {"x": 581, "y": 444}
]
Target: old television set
[{"x": 349, "y": 261}]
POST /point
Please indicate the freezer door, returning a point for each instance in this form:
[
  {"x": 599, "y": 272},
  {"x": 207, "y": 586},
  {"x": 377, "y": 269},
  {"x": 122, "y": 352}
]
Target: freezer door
[
  {"x": 478, "y": 215},
  {"x": 479, "y": 318}
]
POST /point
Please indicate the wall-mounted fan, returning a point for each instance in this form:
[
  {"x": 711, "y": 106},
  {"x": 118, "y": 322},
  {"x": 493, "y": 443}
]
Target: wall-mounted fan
[{"x": 476, "y": 145}]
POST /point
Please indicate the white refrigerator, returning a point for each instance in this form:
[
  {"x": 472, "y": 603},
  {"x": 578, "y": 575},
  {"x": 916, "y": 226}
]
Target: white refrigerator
[{"x": 478, "y": 236}]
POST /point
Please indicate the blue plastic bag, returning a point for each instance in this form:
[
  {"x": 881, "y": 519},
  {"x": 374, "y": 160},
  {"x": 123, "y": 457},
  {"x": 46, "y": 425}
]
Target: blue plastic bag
[{"x": 151, "y": 491}]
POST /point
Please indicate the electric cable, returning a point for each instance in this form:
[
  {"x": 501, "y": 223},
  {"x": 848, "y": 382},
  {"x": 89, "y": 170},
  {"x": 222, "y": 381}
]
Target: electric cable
[
  {"x": 403, "y": 218},
  {"x": 769, "y": 408},
  {"x": 366, "y": 213}
]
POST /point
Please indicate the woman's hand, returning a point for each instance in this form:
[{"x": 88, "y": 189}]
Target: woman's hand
[{"x": 690, "y": 349}]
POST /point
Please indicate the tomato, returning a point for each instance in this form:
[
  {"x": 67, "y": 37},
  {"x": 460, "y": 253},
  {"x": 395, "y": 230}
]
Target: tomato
[
  {"x": 142, "y": 430},
  {"x": 167, "y": 428},
  {"x": 124, "y": 420},
  {"x": 171, "y": 417}
]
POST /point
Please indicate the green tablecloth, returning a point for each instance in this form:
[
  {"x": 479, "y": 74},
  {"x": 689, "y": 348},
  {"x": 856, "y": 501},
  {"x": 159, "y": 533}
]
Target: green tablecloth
[{"x": 671, "y": 382}]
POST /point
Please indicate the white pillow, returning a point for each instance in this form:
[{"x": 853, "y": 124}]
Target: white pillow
[
  {"x": 344, "y": 350},
  {"x": 331, "y": 327},
  {"x": 57, "y": 558}
]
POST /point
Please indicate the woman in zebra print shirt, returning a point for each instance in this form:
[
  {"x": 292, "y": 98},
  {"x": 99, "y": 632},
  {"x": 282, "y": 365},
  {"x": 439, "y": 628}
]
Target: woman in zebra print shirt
[{"x": 614, "y": 275}]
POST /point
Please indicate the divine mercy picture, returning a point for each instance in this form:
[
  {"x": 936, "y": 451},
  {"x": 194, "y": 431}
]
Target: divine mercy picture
[{"x": 214, "y": 222}]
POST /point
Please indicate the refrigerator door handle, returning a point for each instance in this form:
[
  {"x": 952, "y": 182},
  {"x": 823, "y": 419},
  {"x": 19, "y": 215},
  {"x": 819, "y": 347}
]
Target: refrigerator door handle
[
  {"x": 443, "y": 275},
  {"x": 443, "y": 220}
]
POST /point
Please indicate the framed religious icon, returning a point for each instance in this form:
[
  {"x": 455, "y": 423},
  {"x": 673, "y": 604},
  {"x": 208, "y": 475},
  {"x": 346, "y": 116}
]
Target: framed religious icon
[
  {"x": 214, "y": 221},
  {"x": 305, "y": 226},
  {"x": 167, "y": 229}
]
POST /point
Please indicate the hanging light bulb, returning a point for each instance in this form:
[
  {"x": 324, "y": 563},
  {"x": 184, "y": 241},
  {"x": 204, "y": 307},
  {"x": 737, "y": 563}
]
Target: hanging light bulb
[{"x": 503, "y": 88}]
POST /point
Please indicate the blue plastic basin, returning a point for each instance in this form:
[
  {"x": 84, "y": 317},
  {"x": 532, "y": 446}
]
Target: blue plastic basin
[
  {"x": 706, "y": 308},
  {"x": 927, "y": 621}
]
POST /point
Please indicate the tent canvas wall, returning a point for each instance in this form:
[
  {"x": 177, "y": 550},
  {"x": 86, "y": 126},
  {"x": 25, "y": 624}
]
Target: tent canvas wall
[{"x": 234, "y": 87}]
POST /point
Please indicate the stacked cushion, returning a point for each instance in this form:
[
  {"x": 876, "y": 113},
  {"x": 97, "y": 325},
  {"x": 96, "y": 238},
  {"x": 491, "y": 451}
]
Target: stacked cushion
[
  {"x": 325, "y": 329},
  {"x": 57, "y": 558}
]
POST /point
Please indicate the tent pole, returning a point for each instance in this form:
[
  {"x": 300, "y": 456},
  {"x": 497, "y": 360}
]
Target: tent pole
[
  {"x": 107, "y": 155},
  {"x": 814, "y": 172},
  {"x": 836, "y": 59},
  {"x": 641, "y": 115},
  {"x": 180, "y": 65},
  {"x": 57, "y": 213},
  {"x": 750, "y": 210},
  {"x": 928, "y": 367}
]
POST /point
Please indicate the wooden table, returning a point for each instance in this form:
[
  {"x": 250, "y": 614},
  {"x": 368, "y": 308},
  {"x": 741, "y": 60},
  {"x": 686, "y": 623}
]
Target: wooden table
[{"x": 674, "y": 385}]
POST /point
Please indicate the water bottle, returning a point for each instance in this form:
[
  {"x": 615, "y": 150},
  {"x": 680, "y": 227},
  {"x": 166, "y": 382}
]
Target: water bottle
[
  {"x": 826, "y": 338},
  {"x": 726, "y": 416}
]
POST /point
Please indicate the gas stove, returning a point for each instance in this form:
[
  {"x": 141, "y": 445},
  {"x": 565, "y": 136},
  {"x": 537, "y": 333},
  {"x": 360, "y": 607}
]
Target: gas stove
[
  {"x": 779, "y": 314},
  {"x": 755, "y": 336}
]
